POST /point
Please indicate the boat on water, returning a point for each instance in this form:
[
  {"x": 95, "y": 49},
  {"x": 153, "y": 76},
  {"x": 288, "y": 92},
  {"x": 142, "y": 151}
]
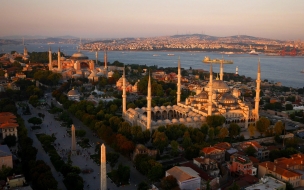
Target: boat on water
[
  {"x": 253, "y": 52},
  {"x": 271, "y": 54},
  {"x": 229, "y": 53},
  {"x": 155, "y": 55},
  {"x": 208, "y": 60},
  {"x": 170, "y": 54},
  {"x": 302, "y": 71}
]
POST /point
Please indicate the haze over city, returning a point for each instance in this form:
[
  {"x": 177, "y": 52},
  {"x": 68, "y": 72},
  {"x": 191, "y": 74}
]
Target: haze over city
[{"x": 134, "y": 18}]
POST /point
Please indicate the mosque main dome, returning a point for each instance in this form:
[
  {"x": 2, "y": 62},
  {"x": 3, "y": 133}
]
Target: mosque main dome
[{"x": 79, "y": 56}]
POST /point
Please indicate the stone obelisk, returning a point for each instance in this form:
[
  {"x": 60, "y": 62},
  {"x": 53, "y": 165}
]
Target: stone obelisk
[
  {"x": 73, "y": 149},
  {"x": 103, "y": 168}
]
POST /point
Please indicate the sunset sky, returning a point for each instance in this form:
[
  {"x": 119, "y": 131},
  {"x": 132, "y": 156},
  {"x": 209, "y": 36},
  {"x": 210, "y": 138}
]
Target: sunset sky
[{"x": 148, "y": 18}]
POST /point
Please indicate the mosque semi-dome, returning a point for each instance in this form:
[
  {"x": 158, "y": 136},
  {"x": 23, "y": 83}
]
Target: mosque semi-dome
[
  {"x": 227, "y": 99},
  {"x": 202, "y": 95},
  {"x": 79, "y": 56}
]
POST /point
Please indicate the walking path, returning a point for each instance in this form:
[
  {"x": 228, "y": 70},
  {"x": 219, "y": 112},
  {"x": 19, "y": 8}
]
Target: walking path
[{"x": 83, "y": 161}]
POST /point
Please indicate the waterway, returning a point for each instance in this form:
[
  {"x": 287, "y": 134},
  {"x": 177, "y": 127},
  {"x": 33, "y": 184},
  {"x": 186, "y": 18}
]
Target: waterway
[{"x": 286, "y": 70}]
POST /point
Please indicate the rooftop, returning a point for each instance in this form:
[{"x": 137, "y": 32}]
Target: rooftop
[{"x": 267, "y": 183}]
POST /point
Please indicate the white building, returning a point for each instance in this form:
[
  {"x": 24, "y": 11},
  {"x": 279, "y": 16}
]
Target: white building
[
  {"x": 268, "y": 183},
  {"x": 187, "y": 178}
]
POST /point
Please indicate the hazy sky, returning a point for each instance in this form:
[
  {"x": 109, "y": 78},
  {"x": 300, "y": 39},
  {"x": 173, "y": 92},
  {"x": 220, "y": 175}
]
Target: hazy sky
[{"x": 279, "y": 19}]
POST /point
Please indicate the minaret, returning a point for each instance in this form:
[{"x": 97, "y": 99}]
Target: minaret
[
  {"x": 59, "y": 63},
  {"x": 124, "y": 94},
  {"x": 236, "y": 70},
  {"x": 257, "y": 91},
  {"x": 96, "y": 55},
  {"x": 149, "y": 100},
  {"x": 210, "y": 91},
  {"x": 103, "y": 168},
  {"x": 222, "y": 71},
  {"x": 25, "y": 51},
  {"x": 105, "y": 60},
  {"x": 73, "y": 147},
  {"x": 50, "y": 59},
  {"x": 178, "y": 93}
]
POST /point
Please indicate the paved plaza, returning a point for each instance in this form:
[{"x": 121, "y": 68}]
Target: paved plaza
[{"x": 82, "y": 160}]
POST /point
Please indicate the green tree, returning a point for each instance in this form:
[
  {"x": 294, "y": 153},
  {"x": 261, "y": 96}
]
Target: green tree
[
  {"x": 250, "y": 150},
  {"x": 33, "y": 100},
  {"x": 278, "y": 127},
  {"x": 73, "y": 181},
  {"x": 5, "y": 171},
  {"x": 211, "y": 133},
  {"x": 186, "y": 140},
  {"x": 251, "y": 130},
  {"x": 288, "y": 107},
  {"x": 215, "y": 120},
  {"x": 234, "y": 187},
  {"x": 289, "y": 186},
  {"x": 112, "y": 158},
  {"x": 169, "y": 183},
  {"x": 262, "y": 125},
  {"x": 156, "y": 170},
  {"x": 35, "y": 121},
  {"x": 143, "y": 186},
  {"x": 234, "y": 130},
  {"x": 223, "y": 133},
  {"x": 160, "y": 140},
  {"x": 10, "y": 140},
  {"x": 174, "y": 148}
]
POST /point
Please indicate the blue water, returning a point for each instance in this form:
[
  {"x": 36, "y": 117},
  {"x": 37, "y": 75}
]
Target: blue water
[{"x": 286, "y": 70}]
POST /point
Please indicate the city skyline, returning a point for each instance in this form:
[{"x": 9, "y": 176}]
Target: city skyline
[{"x": 134, "y": 18}]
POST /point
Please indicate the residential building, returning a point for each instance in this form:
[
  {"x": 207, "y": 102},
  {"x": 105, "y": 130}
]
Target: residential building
[
  {"x": 268, "y": 183},
  {"x": 141, "y": 149},
  {"x": 16, "y": 181},
  {"x": 217, "y": 154},
  {"x": 8, "y": 124},
  {"x": 262, "y": 152},
  {"x": 208, "y": 165},
  {"x": 241, "y": 165},
  {"x": 281, "y": 173},
  {"x": 6, "y": 158},
  {"x": 187, "y": 178}
]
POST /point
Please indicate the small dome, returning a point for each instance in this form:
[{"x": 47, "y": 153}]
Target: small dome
[
  {"x": 174, "y": 121},
  {"x": 189, "y": 119},
  {"x": 144, "y": 108},
  {"x": 156, "y": 108},
  {"x": 141, "y": 147},
  {"x": 73, "y": 92},
  {"x": 169, "y": 107},
  {"x": 79, "y": 56},
  {"x": 136, "y": 109},
  {"x": 195, "y": 118},
  {"x": 203, "y": 118},
  {"x": 163, "y": 107},
  {"x": 167, "y": 121},
  {"x": 182, "y": 120},
  {"x": 62, "y": 58},
  {"x": 160, "y": 122}
]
